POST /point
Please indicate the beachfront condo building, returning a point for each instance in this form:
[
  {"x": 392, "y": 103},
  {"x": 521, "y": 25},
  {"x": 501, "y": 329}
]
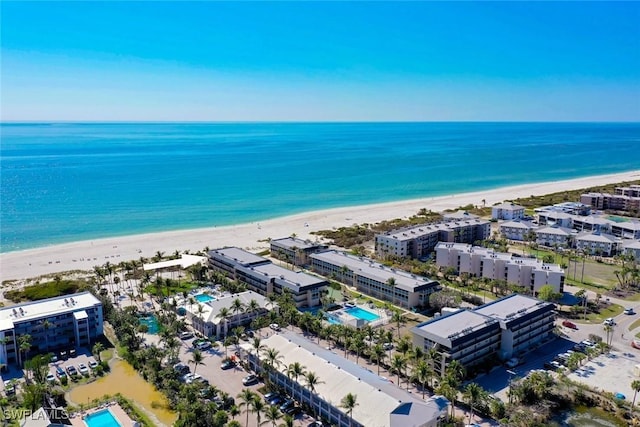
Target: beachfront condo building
[
  {"x": 597, "y": 244},
  {"x": 380, "y": 402},
  {"x": 499, "y": 330},
  {"x": 294, "y": 251},
  {"x": 419, "y": 241},
  {"x": 374, "y": 279},
  {"x": 61, "y": 323},
  {"x": 530, "y": 273},
  {"x": 555, "y": 218},
  {"x": 458, "y": 215},
  {"x": 626, "y": 199},
  {"x": 262, "y": 276},
  {"x": 242, "y": 309},
  {"x": 507, "y": 211},
  {"x": 555, "y": 237},
  {"x": 517, "y": 230}
]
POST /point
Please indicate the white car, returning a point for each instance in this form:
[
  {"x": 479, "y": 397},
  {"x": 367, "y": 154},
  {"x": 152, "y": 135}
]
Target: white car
[
  {"x": 629, "y": 311},
  {"x": 93, "y": 364},
  {"x": 193, "y": 378},
  {"x": 609, "y": 322},
  {"x": 51, "y": 378},
  {"x": 83, "y": 369},
  {"x": 275, "y": 326}
]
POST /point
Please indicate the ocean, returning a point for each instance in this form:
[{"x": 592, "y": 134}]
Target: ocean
[{"x": 68, "y": 182}]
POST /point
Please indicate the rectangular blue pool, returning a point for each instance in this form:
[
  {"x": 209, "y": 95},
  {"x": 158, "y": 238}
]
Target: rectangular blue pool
[
  {"x": 203, "y": 298},
  {"x": 102, "y": 418},
  {"x": 359, "y": 313}
]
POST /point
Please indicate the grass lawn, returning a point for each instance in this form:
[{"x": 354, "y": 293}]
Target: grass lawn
[
  {"x": 612, "y": 310},
  {"x": 174, "y": 288},
  {"x": 634, "y": 325}
]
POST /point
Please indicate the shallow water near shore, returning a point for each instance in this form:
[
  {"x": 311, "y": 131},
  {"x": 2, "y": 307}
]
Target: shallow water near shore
[{"x": 72, "y": 182}]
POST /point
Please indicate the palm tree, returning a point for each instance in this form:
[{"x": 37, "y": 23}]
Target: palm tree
[
  {"x": 97, "y": 350},
  {"x": 258, "y": 348},
  {"x": 46, "y": 325},
  {"x": 312, "y": 381},
  {"x": 391, "y": 282},
  {"x": 398, "y": 363},
  {"x": 474, "y": 395},
  {"x": 635, "y": 385},
  {"x": 348, "y": 403},
  {"x": 456, "y": 370},
  {"x": 273, "y": 414},
  {"x": 237, "y": 306},
  {"x": 247, "y": 396},
  {"x": 422, "y": 373},
  {"x": 378, "y": 354},
  {"x": 398, "y": 317},
  {"x": 272, "y": 360},
  {"x": 448, "y": 387},
  {"x": 288, "y": 421},
  {"x": 609, "y": 330},
  {"x": 258, "y": 407},
  {"x": 24, "y": 344},
  {"x": 296, "y": 370},
  {"x": 196, "y": 359},
  {"x": 224, "y": 314}
]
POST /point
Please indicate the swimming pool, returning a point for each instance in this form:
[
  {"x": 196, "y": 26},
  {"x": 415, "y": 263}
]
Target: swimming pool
[
  {"x": 359, "y": 313},
  {"x": 102, "y": 418},
  {"x": 203, "y": 298},
  {"x": 152, "y": 324}
]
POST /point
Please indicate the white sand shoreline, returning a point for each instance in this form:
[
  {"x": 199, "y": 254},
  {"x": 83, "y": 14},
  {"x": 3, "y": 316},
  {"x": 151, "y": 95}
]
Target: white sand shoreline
[{"x": 84, "y": 255}]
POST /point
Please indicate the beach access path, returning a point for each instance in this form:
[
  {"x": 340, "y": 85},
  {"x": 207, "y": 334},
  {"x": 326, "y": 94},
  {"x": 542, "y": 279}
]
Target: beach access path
[{"x": 85, "y": 255}]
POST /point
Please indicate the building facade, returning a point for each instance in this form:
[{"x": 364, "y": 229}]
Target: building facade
[
  {"x": 507, "y": 211},
  {"x": 624, "y": 199},
  {"x": 374, "y": 279},
  {"x": 262, "y": 276},
  {"x": 294, "y": 251},
  {"x": 61, "y": 323},
  {"x": 530, "y": 273},
  {"x": 597, "y": 244},
  {"x": 554, "y": 237},
  {"x": 420, "y": 241},
  {"x": 517, "y": 230}
]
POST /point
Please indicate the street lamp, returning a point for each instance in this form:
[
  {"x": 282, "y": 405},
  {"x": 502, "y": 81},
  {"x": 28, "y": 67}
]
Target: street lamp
[{"x": 511, "y": 375}]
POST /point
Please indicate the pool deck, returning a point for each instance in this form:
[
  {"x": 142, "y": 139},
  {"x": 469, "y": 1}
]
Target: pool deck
[{"x": 77, "y": 420}]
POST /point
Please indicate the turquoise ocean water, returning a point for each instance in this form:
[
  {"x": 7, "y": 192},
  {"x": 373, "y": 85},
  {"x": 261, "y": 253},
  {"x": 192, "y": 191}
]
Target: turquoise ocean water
[{"x": 69, "y": 182}]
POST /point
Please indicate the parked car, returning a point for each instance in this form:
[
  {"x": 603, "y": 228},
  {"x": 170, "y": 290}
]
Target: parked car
[
  {"x": 387, "y": 346},
  {"x": 83, "y": 369},
  {"x": 185, "y": 335},
  {"x": 71, "y": 370},
  {"x": 51, "y": 379},
  {"x": 568, "y": 324},
  {"x": 275, "y": 326},
  {"x": 287, "y": 404},
  {"x": 227, "y": 364},
  {"x": 250, "y": 379},
  {"x": 181, "y": 368},
  {"x": 276, "y": 400},
  {"x": 60, "y": 372},
  {"x": 629, "y": 311},
  {"x": 93, "y": 364},
  {"x": 205, "y": 345},
  {"x": 198, "y": 341},
  {"x": 9, "y": 387},
  {"x": 513, "y": 362},
  {"x": 609, "y": 322}
]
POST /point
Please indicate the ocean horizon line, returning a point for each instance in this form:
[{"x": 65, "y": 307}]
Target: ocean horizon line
[{"x": 32, "y": 122}]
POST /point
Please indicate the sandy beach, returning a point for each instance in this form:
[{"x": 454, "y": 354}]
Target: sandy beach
[{"x": 86, "y": 254}]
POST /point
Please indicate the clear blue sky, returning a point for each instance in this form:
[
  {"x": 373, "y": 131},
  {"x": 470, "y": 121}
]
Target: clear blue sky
[{"x": 292, "y": 61}]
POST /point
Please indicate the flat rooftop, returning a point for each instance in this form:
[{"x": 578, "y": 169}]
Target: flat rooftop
[
  {"x": 511, "y": 307},
  {"x": 47, "y": 308},
  {"x": 368, "y": 268},
  {"x": 453, "y": 325},
  {"x": 294, "y": 278},
  {"x": 184, "y": 261},
  {"x": 294, "y": 242},
  {"x": 240, "y": 256},
  {"x": 378, "y": 397},
  {"x": 425, "y": 229},
  {"x": 210, "y": 309}
]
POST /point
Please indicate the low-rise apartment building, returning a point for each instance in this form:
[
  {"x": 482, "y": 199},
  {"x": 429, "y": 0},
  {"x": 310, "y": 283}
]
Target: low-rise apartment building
[
  {"x": 294, "y": 251},
  {"x": 507, "y": 211},
  {"x": 525, "y": 323},
  {"x": 530, "y": 273},
  {"x": 262, "y": 276},
  {"x": 374, "y": 279},
  {"x": 465, "y": 336},
  {"x": 380, "y": 402},
  {"x": 205, "y": 316},
  {"x": 555, "y": 218},
  {"x": 632, "y": 248},
  {"x": 458, "y": 215},
  {"x": 597, "y": 244},
  {"x": 555, "y": 236},
  {"x": 65, "y": 322},
  {"x": 419, "y": 241},
  {"x": 499, "y": 330},
  {"x": 516, "y": 230},
  {"x": 624, "y": 199}
]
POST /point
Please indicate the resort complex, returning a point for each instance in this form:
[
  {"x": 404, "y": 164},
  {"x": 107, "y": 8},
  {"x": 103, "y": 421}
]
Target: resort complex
[
  {"x": 374, "y": 279},
  {"x": 500, "y": 330},
  {"x": 262, "y": 276},
  {"x": 419, "y": 241},
  {"x": 529, "y": 273},
  {"x": 625, "y": 199},
  {"x": 65, "y": 322}
]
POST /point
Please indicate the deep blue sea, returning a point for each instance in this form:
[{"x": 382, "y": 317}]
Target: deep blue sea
[{"x": 69, "y": 182}]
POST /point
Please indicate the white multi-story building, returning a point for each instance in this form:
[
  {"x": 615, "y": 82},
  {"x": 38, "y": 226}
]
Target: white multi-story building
[
  {"x": 293, "y": 250},
  {"x": 597, "y": 243},
  {"x": 459, "y": 215},
  {"x": 632, "y": 248},
  {"x": 380, "y": 402},
  {"x": 507, "y": 211},
  {"x": 372, "y": 278},
  {"x": 205, "y": 316},
  {"x": 516, "y": 230},
  {"x": 65, "y": 322},
  {"x": 555, "y": 237},
  {"x": 499, "y": 330},
  {"x": 530, "y": 273},
  {"x": 555, "y": 218},
  {"x": 262, "y": 276},
  {"x": 419, "y": 241}
]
